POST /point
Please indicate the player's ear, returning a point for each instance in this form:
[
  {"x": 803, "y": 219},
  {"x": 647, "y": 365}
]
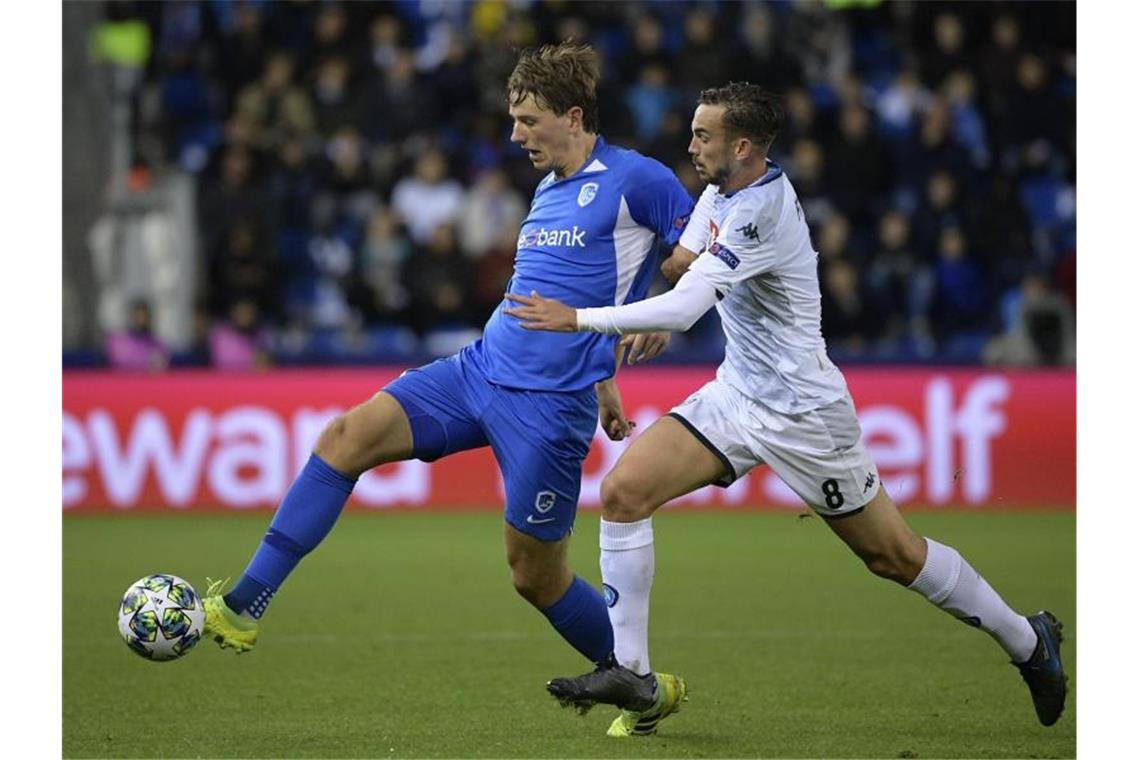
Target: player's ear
[
  {"x": 743, "y": 148},
  {"x": 575, "y": 115}
]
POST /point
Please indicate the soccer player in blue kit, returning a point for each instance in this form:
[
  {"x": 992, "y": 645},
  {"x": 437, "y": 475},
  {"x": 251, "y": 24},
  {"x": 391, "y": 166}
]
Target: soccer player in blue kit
[{"x": 594, "y": 227}]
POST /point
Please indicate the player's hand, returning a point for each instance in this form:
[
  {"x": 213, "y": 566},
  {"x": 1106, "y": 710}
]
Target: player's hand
[
  {"x": 645, "y": 346},
  {"x": 610, "y": 413},
  {"x": 538, "y": 313}
]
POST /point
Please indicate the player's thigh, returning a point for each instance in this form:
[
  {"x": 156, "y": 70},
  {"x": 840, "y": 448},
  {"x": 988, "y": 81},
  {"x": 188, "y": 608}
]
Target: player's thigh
[
  {"x": 369, "y": 434},
  {"x": 425, "y": 413},
  {"x": 666, "y": 461}
]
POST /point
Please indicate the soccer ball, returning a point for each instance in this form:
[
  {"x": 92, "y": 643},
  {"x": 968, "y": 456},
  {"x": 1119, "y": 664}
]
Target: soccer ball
[{"x": 161, "y": 617}]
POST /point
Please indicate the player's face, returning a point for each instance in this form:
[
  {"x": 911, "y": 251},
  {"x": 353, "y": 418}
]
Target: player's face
[
  {"x": 709, "y": 148},
  {"x": 544, "y": 135}
]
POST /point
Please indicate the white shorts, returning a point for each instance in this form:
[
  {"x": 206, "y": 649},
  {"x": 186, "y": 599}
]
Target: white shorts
[{"x": 819, "y": 454}]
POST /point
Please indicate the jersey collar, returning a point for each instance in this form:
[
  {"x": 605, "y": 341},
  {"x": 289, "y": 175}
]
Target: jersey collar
[
  {"x": 599, "y": 145},
  {"x": 774, "y": 172}
]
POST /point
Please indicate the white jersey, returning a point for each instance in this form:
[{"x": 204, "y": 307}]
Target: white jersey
[{"x": 757, "y": 252}]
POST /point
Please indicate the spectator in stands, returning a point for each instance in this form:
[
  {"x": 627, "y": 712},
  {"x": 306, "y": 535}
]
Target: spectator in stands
[
  {"x": 649, "y": 100},
  {"x": 401, "y": 103},
  {"x": 899, "y": 106},
  {"x": 331, "y": 36},
  {"x": 242, "y": 269},
  {"x": 386, "y": 252},
  {"x": 385, "y": 40},
  {"x": 764, "y": 49},
  {"x": 899, "y": 282},
  {"x": 429, "y": 198},
  {"x": 243, "y": 47},
  {"x": 234, "y": 195},
  {"x": 491, "y": 207},
  {"x": 335, "y": 105},
  {"x": 901, "y": 125},
  {"x": 344, "y": 175},
  {"x": 939, "y": 210},
  {"x": 492, "y": 272},
  {"x": 849, "y": 322},
  {"x": 137, "y": 348},
  {"x": 648, "y": 47},
  {"x": 705, "y": 58},
  {"x": 832, "y": 238},
  {"x": 966, "y": 123},
  {"x": 1041, "y": 331},
  {"x": 240, "y": 341},
  {"x": 333, "y": 262},
  {"x": 799, "y": 118},
  {"x": 960, "y": 294},
  {"x": 948, "y": 52},
  {"x": 276, "y": 108},
  {"x": 858, "y": 166},
  {"x": 438, "y": 280},
  {"x": 1033, "y": 108},
  {"x": 807, "y": 166}
]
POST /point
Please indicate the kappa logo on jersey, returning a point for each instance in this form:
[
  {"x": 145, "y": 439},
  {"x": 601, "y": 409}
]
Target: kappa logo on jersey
[
  {"x": 544, "y": 501},
  {"x": 571, "y": 238},
  {"x": 870, "y": 482},
  {"x": 749, "y": 231},
  {"x": 724, "y": 254},
  {"x": 587, "y": 193}
]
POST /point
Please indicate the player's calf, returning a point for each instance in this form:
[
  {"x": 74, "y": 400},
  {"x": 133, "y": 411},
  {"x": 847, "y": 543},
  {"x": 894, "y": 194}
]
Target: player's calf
[{"x": 900, "y": 562}]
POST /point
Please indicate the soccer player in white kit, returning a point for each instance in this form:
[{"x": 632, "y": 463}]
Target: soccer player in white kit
[{"x": 777, "y": 399}]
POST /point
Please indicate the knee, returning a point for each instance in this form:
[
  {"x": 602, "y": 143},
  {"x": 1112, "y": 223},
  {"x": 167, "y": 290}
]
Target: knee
[
  {"x": 526, "y": 584},
  {"x": 332, "y": 437},
  {"x": 538, "y": 588},
  {"x": 900, "y": 562},
  {"x": 623, "y": 498},
  {"x": 335, "y": 446}
]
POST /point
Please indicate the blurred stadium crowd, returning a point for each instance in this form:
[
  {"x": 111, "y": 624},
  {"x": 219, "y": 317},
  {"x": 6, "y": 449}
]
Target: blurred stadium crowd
[{"x": 359, "y": 199}]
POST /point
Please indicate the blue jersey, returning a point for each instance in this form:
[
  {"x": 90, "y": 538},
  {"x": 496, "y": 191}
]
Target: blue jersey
[{"x": 588, "y": 240}]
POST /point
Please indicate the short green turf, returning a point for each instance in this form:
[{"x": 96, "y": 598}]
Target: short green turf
[{"x": 402, "y": 637}]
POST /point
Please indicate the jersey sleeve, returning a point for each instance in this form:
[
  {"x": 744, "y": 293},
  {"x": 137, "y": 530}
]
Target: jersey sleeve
[
  {"x": 658, "y": 201},
  {"x": 696, "y": 235},
  {"x": 744, "y": 248}
]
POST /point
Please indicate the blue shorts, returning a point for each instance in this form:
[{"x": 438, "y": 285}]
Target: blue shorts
[{"x": 540, "y": 438}]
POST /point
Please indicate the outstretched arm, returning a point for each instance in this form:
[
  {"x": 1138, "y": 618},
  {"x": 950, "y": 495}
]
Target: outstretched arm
[{"x": 676, "y": 310}]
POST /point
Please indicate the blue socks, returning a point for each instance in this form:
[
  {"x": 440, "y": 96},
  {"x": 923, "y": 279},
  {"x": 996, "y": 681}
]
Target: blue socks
[
  {"x": 305, "y": 517},
  {"x": 583, "y": 620},
  {"x": 308, "y": 513}
]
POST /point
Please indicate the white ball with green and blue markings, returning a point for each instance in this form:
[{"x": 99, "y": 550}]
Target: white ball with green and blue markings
[{"x": 161, "y": 617}]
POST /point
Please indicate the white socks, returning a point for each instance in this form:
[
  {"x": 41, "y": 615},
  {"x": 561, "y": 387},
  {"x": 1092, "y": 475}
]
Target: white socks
[
  {"x": 950, "y": 583},
  {"x": 627, "y": 573}
]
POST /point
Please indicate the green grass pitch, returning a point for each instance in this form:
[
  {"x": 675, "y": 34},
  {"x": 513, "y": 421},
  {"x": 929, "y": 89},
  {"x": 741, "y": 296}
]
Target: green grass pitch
[{"x": 401, "y": 637}]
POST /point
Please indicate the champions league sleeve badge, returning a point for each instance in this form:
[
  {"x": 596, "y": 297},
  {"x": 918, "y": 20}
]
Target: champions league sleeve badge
[{"x": 587, "y": 193}]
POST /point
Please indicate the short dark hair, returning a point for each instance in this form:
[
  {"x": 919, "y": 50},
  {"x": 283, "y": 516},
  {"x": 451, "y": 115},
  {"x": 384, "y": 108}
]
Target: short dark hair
[
  {"x": 749, "y": 111},
  {"x": 560, "y": 77}
]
